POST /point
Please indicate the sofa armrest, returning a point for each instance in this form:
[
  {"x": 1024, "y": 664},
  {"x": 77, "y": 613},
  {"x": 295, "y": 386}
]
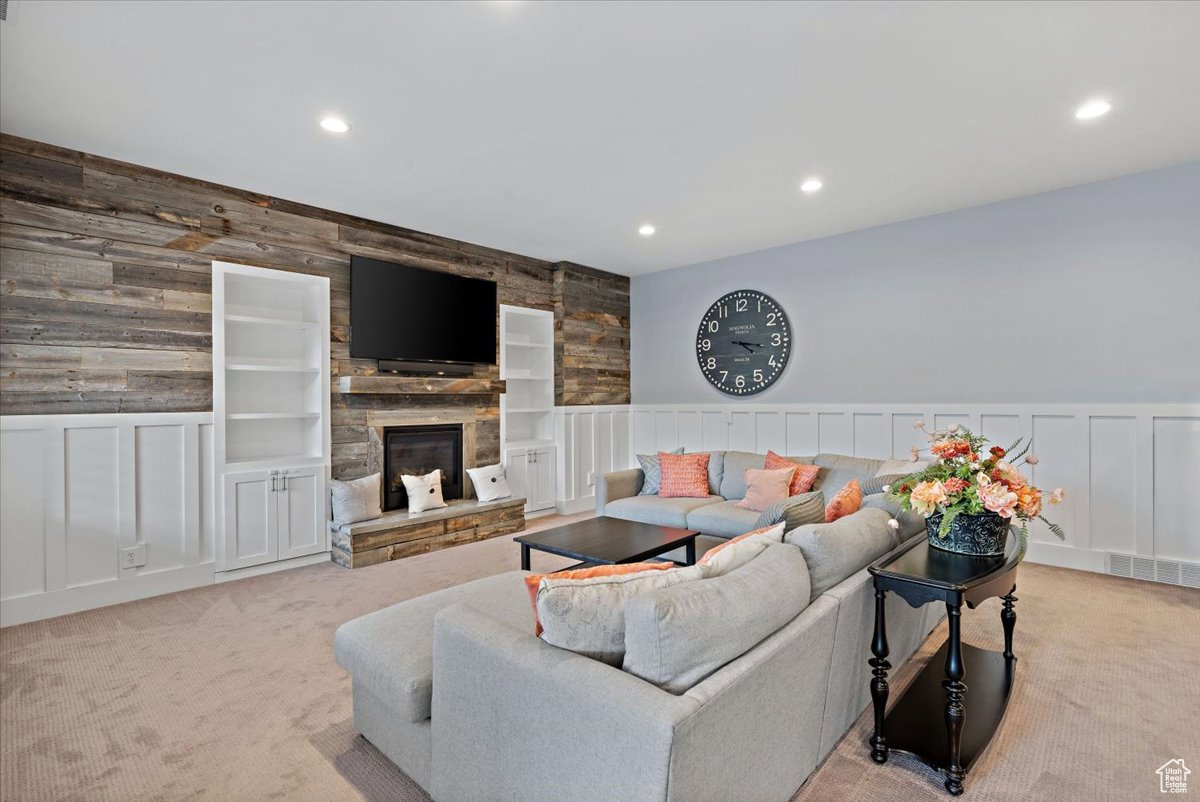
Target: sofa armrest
[
  {"x": 618, "y": 485},
  {"x": 516, "y": 718}
]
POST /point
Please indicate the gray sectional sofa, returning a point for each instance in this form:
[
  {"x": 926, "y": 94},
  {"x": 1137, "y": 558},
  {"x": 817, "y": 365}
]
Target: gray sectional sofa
[
  {"x": 618, "y": 495},
  {"x": 454, "y": 688}
]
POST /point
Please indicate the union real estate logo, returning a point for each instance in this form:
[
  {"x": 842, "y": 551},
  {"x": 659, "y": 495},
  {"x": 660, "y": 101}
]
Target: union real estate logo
[{"x": 1172, "y": 777}]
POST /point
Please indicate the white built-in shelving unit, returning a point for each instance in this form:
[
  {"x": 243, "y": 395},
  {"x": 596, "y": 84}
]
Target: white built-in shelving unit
[
  {"x": 527, "y": 405},
  {"x": 271, "y": 414}
]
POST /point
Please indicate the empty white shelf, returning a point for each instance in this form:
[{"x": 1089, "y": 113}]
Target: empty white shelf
[{"x": 272, "y": 415}]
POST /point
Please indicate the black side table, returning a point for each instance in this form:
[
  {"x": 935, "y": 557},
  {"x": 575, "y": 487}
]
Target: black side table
[{"x": 919, "y": 574}]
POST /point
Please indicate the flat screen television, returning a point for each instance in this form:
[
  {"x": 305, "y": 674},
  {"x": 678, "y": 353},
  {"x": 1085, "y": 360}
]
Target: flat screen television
[{"x": 401, "y": 314}]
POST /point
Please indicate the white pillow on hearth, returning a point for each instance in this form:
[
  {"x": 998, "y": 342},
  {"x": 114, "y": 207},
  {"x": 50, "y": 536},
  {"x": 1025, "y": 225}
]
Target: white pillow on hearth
[
  {"x": 355, "y": 500},
  {"x": 490, "y": 482},
  {"x": 424, "y": 492}
]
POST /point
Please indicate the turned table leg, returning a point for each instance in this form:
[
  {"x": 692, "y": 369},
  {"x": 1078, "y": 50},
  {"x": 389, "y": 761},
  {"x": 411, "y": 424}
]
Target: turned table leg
[
  {"x": 1008, "y": 617},
  {"x": 955, "y": 711},
  {"x": 879, "y": 684}
]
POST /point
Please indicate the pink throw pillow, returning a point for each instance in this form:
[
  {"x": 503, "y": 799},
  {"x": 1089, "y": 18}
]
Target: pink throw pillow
[
  {"x": 764, "y": 488},
  {"x": 683, "y": 475}
]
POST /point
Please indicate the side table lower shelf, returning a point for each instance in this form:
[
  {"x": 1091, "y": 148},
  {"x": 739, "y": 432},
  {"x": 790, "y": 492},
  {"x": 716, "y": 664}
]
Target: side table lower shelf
[{"x": 914, "y": 725}]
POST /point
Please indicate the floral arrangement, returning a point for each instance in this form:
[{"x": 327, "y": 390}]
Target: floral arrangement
[{"x": 968, "y": 477}]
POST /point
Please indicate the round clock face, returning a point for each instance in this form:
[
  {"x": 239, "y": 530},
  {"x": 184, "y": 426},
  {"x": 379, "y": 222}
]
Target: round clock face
[{"x": 743, "y": 342}]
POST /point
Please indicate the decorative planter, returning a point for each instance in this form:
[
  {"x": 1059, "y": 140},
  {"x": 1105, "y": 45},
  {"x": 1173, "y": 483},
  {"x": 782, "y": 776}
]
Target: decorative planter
[{"x": 982, "y": 534}]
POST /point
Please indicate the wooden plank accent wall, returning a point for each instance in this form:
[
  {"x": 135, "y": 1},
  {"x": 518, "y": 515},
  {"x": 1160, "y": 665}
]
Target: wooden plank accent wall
[
  {"x": 591, "y": 336},
  {"x": 106, "y": 281}
]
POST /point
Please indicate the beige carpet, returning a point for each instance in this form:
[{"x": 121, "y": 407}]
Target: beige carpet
[{"x": 230, "y": 692}]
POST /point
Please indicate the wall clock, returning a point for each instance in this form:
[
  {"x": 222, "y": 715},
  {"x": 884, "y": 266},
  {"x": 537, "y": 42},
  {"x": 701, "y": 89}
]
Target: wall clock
[{"x": 744, "y": 342}]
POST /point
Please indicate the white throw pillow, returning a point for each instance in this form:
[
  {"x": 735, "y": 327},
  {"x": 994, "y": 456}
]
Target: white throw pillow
[
  {"x": 588, "y": 615},
  {"x": 490, "y": 482},
  {"x": 739, "y": 551},
  {"x": 900, "y": 467},
  {"x": 424, "y": 492},
  {"x": 355, "y": 499}
]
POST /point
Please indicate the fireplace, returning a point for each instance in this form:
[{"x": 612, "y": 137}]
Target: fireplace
[{"x": 418, "y": 450}]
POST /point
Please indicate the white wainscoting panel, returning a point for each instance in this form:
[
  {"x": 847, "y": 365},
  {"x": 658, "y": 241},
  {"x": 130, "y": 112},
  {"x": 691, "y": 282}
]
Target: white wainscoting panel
[
  {"x": 1131, "y": 471},
  {"x": 78, "y": 489}
]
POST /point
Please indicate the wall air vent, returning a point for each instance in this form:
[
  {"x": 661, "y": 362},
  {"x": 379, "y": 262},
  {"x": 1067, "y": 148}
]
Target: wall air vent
[
  {"x": 3, "y": 9},
  {"x": 1168, "y": 572}
]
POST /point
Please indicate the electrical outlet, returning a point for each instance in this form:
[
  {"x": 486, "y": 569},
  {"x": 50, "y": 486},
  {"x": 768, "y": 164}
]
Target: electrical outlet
[
  {"x": 591, "y": 479},
  {"x": 134, "y": 557}
]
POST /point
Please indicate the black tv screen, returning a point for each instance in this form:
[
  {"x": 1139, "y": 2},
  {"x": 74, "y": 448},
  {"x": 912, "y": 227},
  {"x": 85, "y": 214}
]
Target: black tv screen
[{"x": 409, "y": 314}]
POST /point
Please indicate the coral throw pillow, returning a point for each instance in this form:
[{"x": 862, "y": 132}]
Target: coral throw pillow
[
  {"x": 764, "y": 488},
  {"x": 740, "y": 550},
  {"x": 802, "y": 479},
  {"x": 848, "y": 500},
  {"x": 683, "y": 475},
  {"x": 534, "y": 581}
]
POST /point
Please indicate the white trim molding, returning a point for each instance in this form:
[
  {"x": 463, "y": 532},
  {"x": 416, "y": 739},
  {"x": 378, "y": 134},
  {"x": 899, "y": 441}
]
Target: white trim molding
[
  {"x": 1130, "y": 470},
  {"x": 102, "y": 509}
]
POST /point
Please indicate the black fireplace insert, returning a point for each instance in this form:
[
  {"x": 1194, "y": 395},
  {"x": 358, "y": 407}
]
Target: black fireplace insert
[{"x": 418, "y": 450}]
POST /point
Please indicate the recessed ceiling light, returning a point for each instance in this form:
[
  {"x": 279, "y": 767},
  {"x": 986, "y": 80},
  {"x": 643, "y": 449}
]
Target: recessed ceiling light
[
  {"x": 646, "y": 230},
  {"x": 811, "y": 185},
  {"x": 335, "y": 124},
  {"x": 1093, "y": 109}
]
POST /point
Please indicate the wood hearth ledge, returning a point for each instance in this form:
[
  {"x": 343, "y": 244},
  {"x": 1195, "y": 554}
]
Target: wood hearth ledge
[
  {"x": 420, "y": 385},
  {"x": 400, "y": 534}
]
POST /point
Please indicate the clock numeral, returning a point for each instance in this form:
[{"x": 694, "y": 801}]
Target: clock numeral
[
  {"x": 758, "y": 376},
  {"x": 722, "y": 311},
  {"x": 760, "y": 304},
  {"x": 772, "y": 362},
  {"x": 705, "y": 344},
  {"x": 713, "y": 326},
  {"x": 711, "y": 363},
  {"x": 776, "y": 338},
  {"x": 771, "y": 317},
  {"x": 724, "y": 376},
  {"x": 740, "y": 380},
  {"x": 741, "y": 305}
]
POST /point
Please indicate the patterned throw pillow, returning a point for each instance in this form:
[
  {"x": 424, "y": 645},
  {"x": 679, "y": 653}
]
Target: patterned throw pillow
[
  {"x": 848, "y": 500},
  {"x": 802, "y": 479},
  {"x": 653, "y": 472},
  {"x": 490, "y": 482},
  {"x": 424, "y": 492},
  {"x": 683, "y": 475},
  {"x": 534, "y": 581},
  {"x": 764, "y": 488},
  {"x": 739, "y": 551},
  {"x": 872, "y": 486},
  {"x": 806, "y": 508}
]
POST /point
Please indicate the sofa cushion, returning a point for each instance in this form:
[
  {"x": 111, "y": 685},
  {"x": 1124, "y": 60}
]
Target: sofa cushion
[
  {"x": 911, "y": 523},
  {"x": 390, "y": 651},
  {"x": 533, "y": 582},
  {"x": 740, "y": 550},
  {"x": 733, "y": 478},
  {"x": 838, "y": 470},
  {"x": 876, "y": 485},
  {"x": 716, "y": 469},
  {"x": 806, "y": 508},
  {"x": 587, "y": 616},
  {"x": 657, "y": 510},
  {"x": 846, "y": 501},
  {"x": 725, "y": 519},
  {"x": 677, "y": 636},
  {"x": 835, "y": 551}
]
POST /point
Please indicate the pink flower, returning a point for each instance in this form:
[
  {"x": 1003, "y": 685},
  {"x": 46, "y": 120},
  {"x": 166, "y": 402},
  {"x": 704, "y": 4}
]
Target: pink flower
[
  {"x": 1009, "y": 475},
  {"x": 919, "y": 424},
  {"x": 926, "y": 496},
  {"x": 1031, "y": 459},
  {"x": 1057, "y": 496},
  {"x": 997, "y": 497},
  {"x": 914, "y": 455},
  {"x": 954, "y": 485}
]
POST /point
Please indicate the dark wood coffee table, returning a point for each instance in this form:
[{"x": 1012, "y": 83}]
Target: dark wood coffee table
[
  {"x": 608, "y": 541},
  {"x": 950, "y": 743}
]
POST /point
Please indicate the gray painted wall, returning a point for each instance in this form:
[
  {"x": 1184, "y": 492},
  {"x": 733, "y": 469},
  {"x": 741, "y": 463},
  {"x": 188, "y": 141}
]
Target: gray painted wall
[{"x": 1088, "y": 294}]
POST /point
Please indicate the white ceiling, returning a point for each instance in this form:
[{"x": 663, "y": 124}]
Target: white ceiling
[{"x": 556, "y": 129}]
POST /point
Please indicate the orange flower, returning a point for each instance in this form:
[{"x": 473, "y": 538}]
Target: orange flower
[
  {"x": 1029, "y": 501},
  {"x": 948, "y": 449}
]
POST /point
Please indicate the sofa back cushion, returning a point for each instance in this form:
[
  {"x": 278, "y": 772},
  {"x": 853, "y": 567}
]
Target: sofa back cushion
[
  {"x": 740, "y": 550},
  {"x": 677, "y": 636},
  {"x": 588, "y": 615},
  {"x": 838, "y": 470},
  {"x": 835, "y": 551},
  {"x": 533, "y": 582},
  {"x": 716, "y": 469},
  {"x": 733, "y": 478}
]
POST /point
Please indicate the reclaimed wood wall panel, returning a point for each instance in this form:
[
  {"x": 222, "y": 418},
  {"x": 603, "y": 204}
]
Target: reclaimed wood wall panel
[{"x": 106, "y": 282}]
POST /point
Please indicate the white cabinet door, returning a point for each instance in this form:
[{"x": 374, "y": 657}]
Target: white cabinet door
[
  {"x": 251, "y": 512},
  {"x": 541, "y": 479},
  {"x": 301, "y": 500},
  {"x": 517, "y": 467}
]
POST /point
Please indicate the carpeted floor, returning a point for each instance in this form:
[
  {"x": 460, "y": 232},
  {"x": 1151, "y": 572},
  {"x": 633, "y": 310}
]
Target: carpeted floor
[{"x": 230, "y": 692}]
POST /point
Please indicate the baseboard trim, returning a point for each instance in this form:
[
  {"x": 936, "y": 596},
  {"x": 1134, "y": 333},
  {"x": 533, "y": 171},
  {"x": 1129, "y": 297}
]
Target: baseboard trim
[
  {"x": 270, "y": 568},
  {"x": 35, "y": 607},
  {"x": 1065, "y": 557},
  {"x": 575, "y": 505}
]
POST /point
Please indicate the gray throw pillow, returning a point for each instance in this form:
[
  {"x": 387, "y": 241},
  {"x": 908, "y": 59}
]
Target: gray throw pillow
[
  {"x": 677, "y": 636},
  {"x": 355, "y": 500},
  {"x": 653, "y": 472},
  {"x": 805, "y": 508},
  {"x": 836, "y": 551},
  {"x": 875, "y": 485}
]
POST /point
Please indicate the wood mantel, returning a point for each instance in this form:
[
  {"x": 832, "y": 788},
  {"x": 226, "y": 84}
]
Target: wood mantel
[{"x": 420, "y": 385}]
